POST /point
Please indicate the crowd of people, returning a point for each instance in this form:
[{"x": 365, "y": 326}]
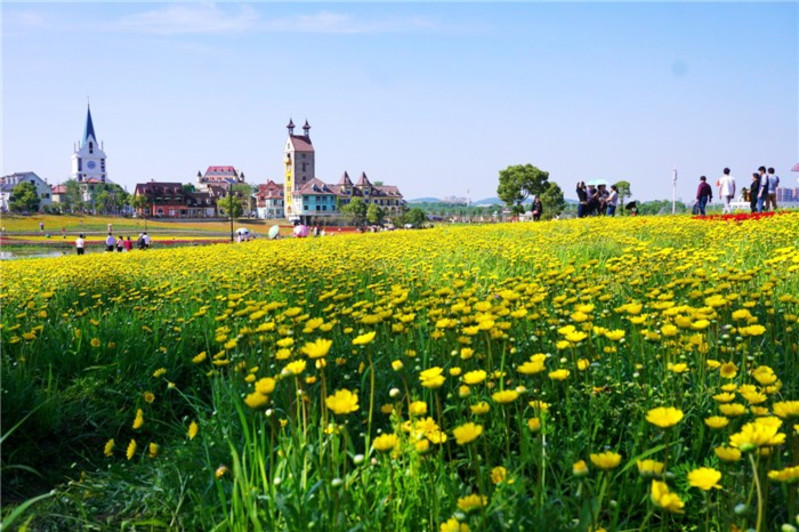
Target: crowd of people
[
  {"x": 761, "y": 194},
  {"x": 118, "y": 244},
  {"x": 596, "y": 200}
]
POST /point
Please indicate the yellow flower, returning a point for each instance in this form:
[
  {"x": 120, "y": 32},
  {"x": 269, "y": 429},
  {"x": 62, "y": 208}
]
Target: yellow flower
[
  {"x": 678, "y": 368},
  {"x": 559, "y": 374},
  {"x": 534, "y": 424},
  {"x": 385, "y": 442},
  {"x": 579, "y": 469},
  {"x": 787, "y": 475},
  {"x": 200, "y": 357},
  {"x": 732, "y": 409},
  {"x": 256, "y": 400},
  {"x": 108, "y": 450},
  {"x": 193, "y": 428},
  {"x": 704, "y": 478},
  {"x": 317, "y": 349},
  {"x": 480, "y": 408},
  {"x": 505, "y": 396},
  {"x": 139, "y": 421},
  {"x": 95, "y": 342},
  {"x": 397, "y": 365},
  {"x": 753, "y": 435},
  {"x": 148, "y": 397},
  {"x": 500, "y": 474},
  {"x": 669, "y": 330},
  {"x": 664, "y": 417},
  {"x": 131, "y": 449},
  {"x": 160, "y": 372},
  {"x": 607, "y": 460},
  {"x": 472, "y": 502},
  {"x": 452, "y": 525},
  {"x": 221, "y": 471},
  {"x": 724, "y": 397},
  {"x": 342, "y": 402},
  {"x": 649, "y": 468},
  {"x": 153, "y": 450},
  {"x": 432, "y": 378},
  {"x": 716, "y": 422},
  {"x": 294, "y": 368},
  {"x": 728, "y": 370},
  {"x": 727, "y": 454},
  {"x": 665, "y": 499},
  {"x": 265, "y": 385},
  {"x": 474, "y": 377},
  {"x": 466, "y": 433},
  {"x": 786, "y": 409},
  {"x": 364, "y": 338},
  {"x": 417, "y": 408}
]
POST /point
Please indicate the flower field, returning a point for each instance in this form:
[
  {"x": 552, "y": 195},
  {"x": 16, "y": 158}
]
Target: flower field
[{"x": 617, "y": 374}]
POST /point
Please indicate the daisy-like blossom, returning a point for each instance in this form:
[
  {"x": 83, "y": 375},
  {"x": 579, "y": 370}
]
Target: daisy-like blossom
[
  {"x": 342, "y": 402},
  {"x": 664, "y": 417},
  {"x": 704, "y": 478}
]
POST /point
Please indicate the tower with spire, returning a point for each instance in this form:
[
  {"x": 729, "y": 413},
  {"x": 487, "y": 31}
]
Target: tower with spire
[
  {"x": 298, "y": 162},
  {"x": 88, "y": 157}
]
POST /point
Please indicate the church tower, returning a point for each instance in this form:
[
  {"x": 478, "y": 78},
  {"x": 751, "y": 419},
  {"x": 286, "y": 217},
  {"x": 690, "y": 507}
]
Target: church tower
[
  {"x": 298, "y": 163},
  {"x": 88, "y": 159}
]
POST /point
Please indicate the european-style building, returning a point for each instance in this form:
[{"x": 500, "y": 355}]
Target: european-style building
[{"x": 305, "y": 196}]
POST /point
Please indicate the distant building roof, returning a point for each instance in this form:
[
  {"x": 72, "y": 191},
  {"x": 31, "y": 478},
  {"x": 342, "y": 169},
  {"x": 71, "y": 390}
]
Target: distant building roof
[
  {"x": 59, "y": 189},
  {"x": 345, "y": 180},
  {"x": 363, "y": 181},
  {"x": 301, "y": 143},
  {"x": 315, "y": 187}
]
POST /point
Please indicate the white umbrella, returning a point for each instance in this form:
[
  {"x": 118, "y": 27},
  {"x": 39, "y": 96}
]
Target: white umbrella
[{"x": 242, "y": 231}]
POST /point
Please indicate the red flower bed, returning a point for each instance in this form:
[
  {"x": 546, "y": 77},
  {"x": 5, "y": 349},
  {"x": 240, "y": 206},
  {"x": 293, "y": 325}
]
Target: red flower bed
[{"x": 738, "y": 217}]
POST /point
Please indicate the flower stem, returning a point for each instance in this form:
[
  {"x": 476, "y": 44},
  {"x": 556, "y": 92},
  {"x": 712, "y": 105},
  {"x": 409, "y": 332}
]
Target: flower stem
[{"x": 759, "y": 493}]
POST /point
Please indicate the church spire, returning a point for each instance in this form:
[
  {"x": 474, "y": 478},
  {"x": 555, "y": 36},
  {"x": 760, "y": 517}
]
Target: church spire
[{"x": 89, "y": 129}]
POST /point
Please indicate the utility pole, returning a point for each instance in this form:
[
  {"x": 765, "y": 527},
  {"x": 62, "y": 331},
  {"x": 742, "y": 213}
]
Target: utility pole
[{"x": 674, "y": 190}]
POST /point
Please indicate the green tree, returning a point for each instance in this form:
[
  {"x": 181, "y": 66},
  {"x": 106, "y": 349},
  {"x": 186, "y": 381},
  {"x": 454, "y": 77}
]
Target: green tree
[
  {"x": 140, "y": 203},
  {"x": 552, "y": 201},
  {"x": 416, "y": 217},
  {"x": 623, "y": 188},
  {"x": 244, "y": 194},
  {"x": 188, "y": 188},
  {"x": 374, "y": 214},
  {"x": 517, "y": 183},
  {"x": 231, "y": 203},
  {"x": 24, "y": 198},
  {"x": 73, "y": 199},
  {"x": 355, "y": 211}
]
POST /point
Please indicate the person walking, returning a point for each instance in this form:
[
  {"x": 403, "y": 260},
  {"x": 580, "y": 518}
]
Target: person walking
[
  {"x": 109, "y": 242},
  {"x": 704, "y": 195},
  {"x": 80, "y": 244},
  {"x": 120, "y": 244},
  {"x": 128, "y": 244},
  {"x": 63, "y": 232},
  {"x": 41, "y": 227},
  {"x": 726, "y": 190},
  {"x": 770, "y": 185},
  {"x": 755, "y": 194},
  {"x": 762, "y": 188},
  {"x": 146, "y": 239}
]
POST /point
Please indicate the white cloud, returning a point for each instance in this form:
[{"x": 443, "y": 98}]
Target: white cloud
[
  {"x": 337, "y": 23},
  {"x": 191, "y": 18}
]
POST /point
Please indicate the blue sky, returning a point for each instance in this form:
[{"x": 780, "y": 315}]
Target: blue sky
[{"x": 433, "y": 97}]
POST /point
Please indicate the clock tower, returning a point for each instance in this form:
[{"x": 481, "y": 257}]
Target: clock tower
[{"x": 88, "y": 159}]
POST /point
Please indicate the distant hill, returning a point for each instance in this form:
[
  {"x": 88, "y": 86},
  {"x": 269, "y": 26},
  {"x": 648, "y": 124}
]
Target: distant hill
[{"x": 424, "y": 200}]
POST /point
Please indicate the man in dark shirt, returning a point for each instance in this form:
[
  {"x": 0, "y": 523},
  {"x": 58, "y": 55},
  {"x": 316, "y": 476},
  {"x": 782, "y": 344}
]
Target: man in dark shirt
[{"x": 703, "y": 194}]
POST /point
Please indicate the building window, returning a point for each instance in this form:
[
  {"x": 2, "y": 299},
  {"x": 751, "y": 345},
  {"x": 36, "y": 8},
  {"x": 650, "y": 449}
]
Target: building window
[{"x": 91, "y": 147}]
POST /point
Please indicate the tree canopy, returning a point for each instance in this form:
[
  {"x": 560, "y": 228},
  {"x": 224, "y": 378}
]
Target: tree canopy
[
  {"x": 24, "y": 198},
  {"x": 517, "y": 183},
  {"x": 416, "y": 217},
  {"x": 552, "y": 201},
  {"x": 355, "y": 211},
  {"x": 374, "y": 214},
  {"x": 231, "y": 203}
]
